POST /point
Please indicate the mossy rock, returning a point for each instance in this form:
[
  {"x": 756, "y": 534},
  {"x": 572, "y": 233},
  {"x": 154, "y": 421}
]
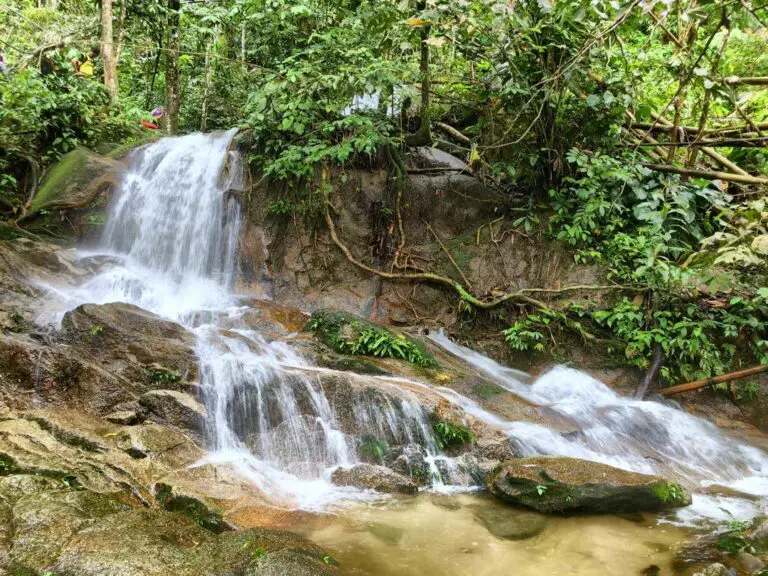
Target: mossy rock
[
  {"x": 72, "y": 200},
  {"x": 349, "y": 334},
  {"x": 553, "y": 484}
]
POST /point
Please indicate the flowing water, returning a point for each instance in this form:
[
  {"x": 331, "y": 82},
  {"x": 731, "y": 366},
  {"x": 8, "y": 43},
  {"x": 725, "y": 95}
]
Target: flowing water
[{"x": 171, "y": 240}]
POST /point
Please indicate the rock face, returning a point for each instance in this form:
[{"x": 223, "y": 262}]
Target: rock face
[
  {"x": 81, "y": 495},
  {"x": 552, "y": 485},
  {"x": 374, "y": 477},
  {"x": 175, "y": 408}
]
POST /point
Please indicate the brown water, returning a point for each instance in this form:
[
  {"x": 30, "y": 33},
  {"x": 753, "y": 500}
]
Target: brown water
[{"x": 449, "y": 536}]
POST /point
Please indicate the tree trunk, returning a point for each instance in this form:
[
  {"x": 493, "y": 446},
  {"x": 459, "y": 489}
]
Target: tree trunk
[
  {"x": 423, "y": 136},
  {"x": 207, "y": 84},
  {"x": 242, "y": 43},
  {"x": 108, "y": 48},
  {"x": 172, "y": 88},
  {"x": 121, "y": 30}
]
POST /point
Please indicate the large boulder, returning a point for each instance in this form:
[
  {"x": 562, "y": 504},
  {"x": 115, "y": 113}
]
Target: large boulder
[
  {"x": 375, "y": 478},
  {"x": 72, "y": 199},
  {"x": 554, "y": 484}
]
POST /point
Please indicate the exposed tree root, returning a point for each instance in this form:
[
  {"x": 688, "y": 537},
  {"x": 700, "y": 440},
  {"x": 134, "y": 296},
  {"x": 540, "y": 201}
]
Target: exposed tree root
[{"x": 519, "y": 297}]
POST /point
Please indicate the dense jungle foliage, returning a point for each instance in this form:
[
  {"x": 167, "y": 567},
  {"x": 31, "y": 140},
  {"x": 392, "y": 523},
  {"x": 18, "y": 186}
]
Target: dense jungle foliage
[{"x": 631, "y": 130}]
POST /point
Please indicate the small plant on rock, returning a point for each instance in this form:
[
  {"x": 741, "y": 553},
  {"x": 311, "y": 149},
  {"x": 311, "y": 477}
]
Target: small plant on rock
[
  {"x": 376, "y": 448},
  {"x": 450, "y": 435}
]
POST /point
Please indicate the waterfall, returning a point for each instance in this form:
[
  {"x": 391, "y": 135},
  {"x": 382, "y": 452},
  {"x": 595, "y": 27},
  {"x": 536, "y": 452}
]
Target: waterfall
[
  {"x": 171, "y": 237},
  {"x": 171, "y": 241}
]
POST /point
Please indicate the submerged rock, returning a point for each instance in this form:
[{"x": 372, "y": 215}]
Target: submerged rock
[
  {"x": 549, "y": 484},
  {"x": 374, "y": 477},
  {"x": 510, "y": 524}
]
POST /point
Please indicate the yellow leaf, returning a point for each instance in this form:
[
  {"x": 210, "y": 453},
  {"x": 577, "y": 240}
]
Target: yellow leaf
[
  {"x": 416, "y": 22},
  {"x": 760, "y": 244},
  {"x": 474, "y": 156},
  {"x": 111, "y": 434},
  {"x": 443, "y": 377}
]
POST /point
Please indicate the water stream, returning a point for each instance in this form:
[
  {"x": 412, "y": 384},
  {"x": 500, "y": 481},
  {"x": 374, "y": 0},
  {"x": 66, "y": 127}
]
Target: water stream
[{"x": 171, "y": 238}]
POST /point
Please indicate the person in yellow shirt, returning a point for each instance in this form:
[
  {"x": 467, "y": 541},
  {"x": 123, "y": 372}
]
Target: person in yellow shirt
[{"x": 84, "y": 67}]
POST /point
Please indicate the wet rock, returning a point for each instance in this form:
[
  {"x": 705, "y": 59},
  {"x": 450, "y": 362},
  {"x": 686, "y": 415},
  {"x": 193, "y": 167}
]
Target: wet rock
[
  {"x": 78, "y": 185},
  {"x": 410, "y": 461},
  {"x": 374, "y": 477},
  {"x": 508, "y": 523},
  {"x": 714, "y": 570},
  {"x": 758, "y": 532},
  {"x": 175, "y": 408},
  {"x": 550, "y": 485},
  {"x": 750, "y": 563},
  {"x": 127, "y": 339},
  {"x": 499, "y": 449},
  {"x": 125, "y": 417}
]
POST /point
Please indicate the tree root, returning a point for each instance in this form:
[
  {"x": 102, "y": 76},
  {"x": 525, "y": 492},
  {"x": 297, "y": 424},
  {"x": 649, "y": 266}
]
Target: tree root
[{"x": 519, "y": 297}]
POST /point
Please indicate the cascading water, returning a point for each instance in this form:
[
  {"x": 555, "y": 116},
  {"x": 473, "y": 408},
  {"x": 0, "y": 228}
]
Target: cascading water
[
  {"x": 171, "y": 244},
  {"x": 644, "y": 436},
  {"x": 171, "y": 241}
]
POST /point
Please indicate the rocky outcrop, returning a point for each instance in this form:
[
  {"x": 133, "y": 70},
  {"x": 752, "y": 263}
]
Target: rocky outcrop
[
  {"x": 72, "y": 199},
  {"x": 375, "y": 478},
  {"x": 552, "y": 484},
  {"x": 85, "y": 496}
]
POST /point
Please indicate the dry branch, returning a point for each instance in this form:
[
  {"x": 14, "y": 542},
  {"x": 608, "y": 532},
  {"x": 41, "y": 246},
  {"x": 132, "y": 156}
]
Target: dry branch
[
  {"x": 696, "y": 384},
  {"x": 707, "y": 174}
]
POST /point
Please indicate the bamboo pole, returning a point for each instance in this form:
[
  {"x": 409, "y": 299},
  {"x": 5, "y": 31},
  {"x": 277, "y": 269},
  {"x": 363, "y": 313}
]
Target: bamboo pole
[
  {"x": 717, "y": 157},
  {"x": 695, "y": 385},
  {"x": 707, "y": 174}
]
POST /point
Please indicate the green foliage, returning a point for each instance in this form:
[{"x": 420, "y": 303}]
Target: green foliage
[
  {"x": 451, "y": 435},
  {"x": 374, "y": 448},
  {"x": 159, "y": 376},
  {"x": 656, "y": 233},
  {"x": 348, "y": 334}
]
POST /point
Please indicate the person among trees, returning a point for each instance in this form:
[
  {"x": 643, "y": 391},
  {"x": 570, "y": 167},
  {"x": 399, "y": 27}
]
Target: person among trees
[
  {"x": 3, "y": 67},
  {"x": 157, "y": 115},
  {"x": 84, "y": 67}
]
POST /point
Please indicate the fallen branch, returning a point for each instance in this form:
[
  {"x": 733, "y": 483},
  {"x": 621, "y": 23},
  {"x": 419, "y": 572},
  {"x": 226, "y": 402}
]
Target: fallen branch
[
  {"x": 696, "y": 384},
  {"x": 747, "y": 81},
  {"x": 707, "y": 174},
  {"x": 451, "y": 131},
  {"x": 650, "y": 375},
  {"x": 713, "y": 154}
]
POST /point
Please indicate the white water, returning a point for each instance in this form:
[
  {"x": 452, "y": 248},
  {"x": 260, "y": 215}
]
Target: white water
[
  {"x": 171, "y": 238},
  {"x": 640, "y": 435}
]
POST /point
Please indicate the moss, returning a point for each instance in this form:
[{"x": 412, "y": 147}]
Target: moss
[
  {"x": 10, "y": 232},
  {"x": 670, "y": 493},
  {"x": 70, "y": 165},
  {"x": 486, "y": 390}
]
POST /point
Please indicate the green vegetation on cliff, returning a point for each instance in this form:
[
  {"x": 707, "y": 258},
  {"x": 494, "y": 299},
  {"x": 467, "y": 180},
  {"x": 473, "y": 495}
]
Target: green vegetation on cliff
[{"x": 350, "y": 334}]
